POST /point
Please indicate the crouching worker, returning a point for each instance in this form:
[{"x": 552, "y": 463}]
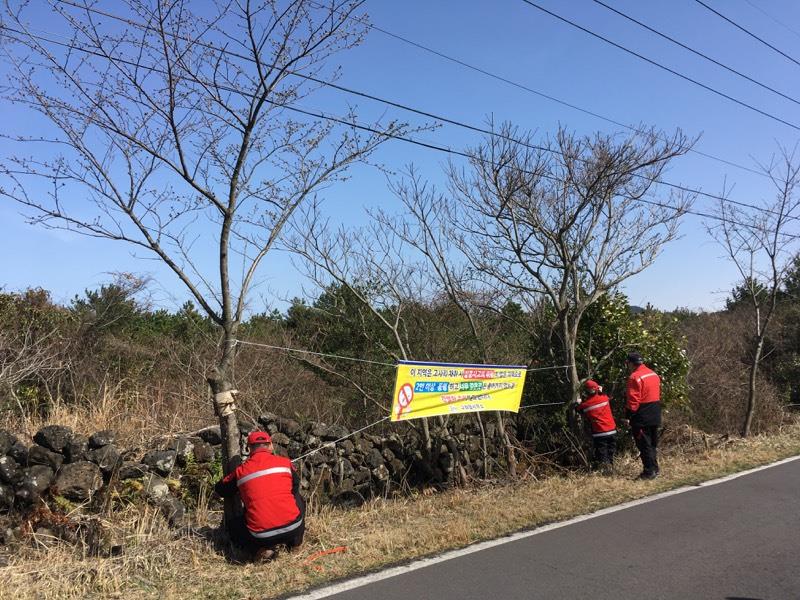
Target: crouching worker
[
  {"x": 274, "y": 511},
  {"x": 596, "y": 409}
]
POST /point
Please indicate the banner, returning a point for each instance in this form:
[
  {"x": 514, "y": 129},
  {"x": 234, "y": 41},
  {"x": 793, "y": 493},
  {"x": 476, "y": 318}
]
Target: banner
[{"x": 425, "y": 389}]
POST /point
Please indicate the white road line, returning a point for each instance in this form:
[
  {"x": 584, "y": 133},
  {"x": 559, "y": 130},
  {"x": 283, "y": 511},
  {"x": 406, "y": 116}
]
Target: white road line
[{"x": 477, "y": 547}]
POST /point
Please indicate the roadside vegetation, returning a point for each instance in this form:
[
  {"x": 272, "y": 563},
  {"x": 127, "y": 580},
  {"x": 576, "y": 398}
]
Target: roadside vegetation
[
  {"x": 109, "y": 360},
  {"x": 159, "y": 563},
  {"x": 519, "y": 258}
]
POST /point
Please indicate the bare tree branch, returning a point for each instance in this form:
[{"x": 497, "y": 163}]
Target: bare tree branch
[
  {"x": 762, "y": 252},
  {"x": 161, "y": 138}
]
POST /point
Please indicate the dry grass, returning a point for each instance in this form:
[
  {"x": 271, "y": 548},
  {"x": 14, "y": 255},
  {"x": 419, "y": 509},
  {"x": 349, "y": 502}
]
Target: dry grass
[
  {"x": 134, "y": 418},
  {"x": 161, "y": 564}
]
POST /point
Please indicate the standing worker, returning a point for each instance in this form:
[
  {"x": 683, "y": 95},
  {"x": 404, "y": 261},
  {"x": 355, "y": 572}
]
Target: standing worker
[
  {"x": 643, "y": 409},
  {"x": 274, "y": 511},
  {"x": 596, "y": 409}
]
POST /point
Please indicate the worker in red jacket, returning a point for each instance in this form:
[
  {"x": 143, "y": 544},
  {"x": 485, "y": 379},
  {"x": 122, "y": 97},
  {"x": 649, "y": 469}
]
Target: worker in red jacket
[
  {"x": 643, "y": 409},
  {"x": 596, "y": 409},
  {"x": 274, "y": 511}
]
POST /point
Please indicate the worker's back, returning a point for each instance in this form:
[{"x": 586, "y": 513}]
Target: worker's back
[
  {"x": 597, "y": 410},
  {"x": 266, "y": 486}
]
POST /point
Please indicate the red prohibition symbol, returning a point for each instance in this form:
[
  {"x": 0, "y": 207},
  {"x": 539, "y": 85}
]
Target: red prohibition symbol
[{"x": 404, "y": 398}]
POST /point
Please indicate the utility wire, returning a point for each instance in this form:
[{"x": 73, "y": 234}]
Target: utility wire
[
  {"x": 451, "y": 151},
  {"x": 469, "y": 156},
  {"x": 355, "y": 125},
  {"x": 413, "y": 110},
  {"x": 748, "y": 32},
  {"x": 446, "y": 57},
  {"x": 696, "y": 52},
  {"x": 765, "y": 13},
  {"x": 662, "y": 66}
]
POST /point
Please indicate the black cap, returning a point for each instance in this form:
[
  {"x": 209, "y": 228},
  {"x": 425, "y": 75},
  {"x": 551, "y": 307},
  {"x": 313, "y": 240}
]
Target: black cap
[{"x": 634, "y": 358}]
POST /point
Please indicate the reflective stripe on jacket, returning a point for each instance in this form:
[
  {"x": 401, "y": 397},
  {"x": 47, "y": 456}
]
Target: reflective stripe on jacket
[
  {"x": 597, "y": 410},
  {"x": 644, "y": 386},
  {"x": 266, "y": 484}
]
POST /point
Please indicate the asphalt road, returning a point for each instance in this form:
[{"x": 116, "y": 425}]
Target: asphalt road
[{"x": 738, "y": 540}]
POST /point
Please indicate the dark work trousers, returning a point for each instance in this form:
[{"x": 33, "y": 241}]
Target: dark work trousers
[
  {"x": 604, "y": 447},
  {"x": 646, "y": 438},
  {"x": 241, "y": 536}
]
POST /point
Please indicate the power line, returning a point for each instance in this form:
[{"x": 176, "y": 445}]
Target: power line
[
  {"x": 410, "y": 109},
  {"x": 663, "y": 67},
  {"x": 748, "y": 32},
  {"x": 495, "y": 134},
  {"x": 696, "y": 52},
  {"x": 453, "y": 152},
  {"x": 456, "y": 61},
  {"x": 469, "y": 156},
  {"x": 355, "y": 125},
  {"x": 765, "y": 13}
]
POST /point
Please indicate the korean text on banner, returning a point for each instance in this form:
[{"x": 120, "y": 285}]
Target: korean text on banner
[{"x": 428, "y": 389}]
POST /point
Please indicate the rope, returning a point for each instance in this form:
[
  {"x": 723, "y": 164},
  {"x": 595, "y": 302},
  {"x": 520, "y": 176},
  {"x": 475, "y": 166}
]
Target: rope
[
  {"x": 374, "y": 362},
  {"x": 544, "y": 404},
  {"x": 320, "y": 554},
  {"x": 381, "y": 420},
  {"x": 361, "y": 360},
  {"x": 334, "y": 442},
  {"x": 548, "y": 368}
]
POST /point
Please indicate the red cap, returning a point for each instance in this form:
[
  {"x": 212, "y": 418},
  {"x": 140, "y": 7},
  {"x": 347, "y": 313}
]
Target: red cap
[
  {"x": 258, "y": 437},
  {"x": 592, "y": 386}
]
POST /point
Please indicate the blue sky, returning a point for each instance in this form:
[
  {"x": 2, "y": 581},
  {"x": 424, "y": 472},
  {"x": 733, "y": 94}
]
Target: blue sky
[{"x": 513, "y": 40}]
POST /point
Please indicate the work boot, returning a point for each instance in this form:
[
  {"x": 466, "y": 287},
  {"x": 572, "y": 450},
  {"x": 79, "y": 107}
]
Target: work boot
[{"x": 265, "y": 554}]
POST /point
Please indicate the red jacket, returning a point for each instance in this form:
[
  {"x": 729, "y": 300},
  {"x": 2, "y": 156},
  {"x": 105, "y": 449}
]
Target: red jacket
[
  {"x": 597, "y": 410},
  {"x": 644, "y": 387},
  {"x": 267, "y": 485}
]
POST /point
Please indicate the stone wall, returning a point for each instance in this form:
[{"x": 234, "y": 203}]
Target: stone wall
[
  {"x": 371, "y": 464},
  {"x": 64, "y": 468}
]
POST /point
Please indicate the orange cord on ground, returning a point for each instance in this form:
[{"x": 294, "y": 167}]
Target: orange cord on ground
[{"x": 322, "y": 553}]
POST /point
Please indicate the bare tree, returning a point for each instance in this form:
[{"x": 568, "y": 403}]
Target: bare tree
[
  {"x": 422, "y": 229},
  {"x": 758, "y": 243},
  {"x": 371, "y": 265},
  {"x": 566, "y": 221},
  {"x": 177, "y": 130}
]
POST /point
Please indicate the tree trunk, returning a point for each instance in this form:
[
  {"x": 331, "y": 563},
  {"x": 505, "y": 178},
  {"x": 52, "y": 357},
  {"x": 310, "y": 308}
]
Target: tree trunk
[
  {"x": 569, "y": 331},
  {"x": 751, "y": 391},
  {"x": 228, "y": 425},
  {"x": 570, "y": 334},
  {"x": 426, "y": 434},
  {"x": 512, "y": 457},
  {"x": 221, "y": 382},
  {"x": 485, "y": 470}
]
